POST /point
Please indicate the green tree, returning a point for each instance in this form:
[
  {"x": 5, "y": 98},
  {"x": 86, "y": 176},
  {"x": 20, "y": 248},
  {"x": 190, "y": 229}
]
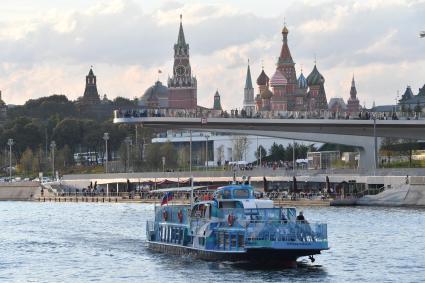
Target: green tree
[
  {"x": 183, "y": 155},
  {"x": 64, "y": 158},
  {"x": 386, "y": 147},
  {"x": 240, "y": 147},
  {"x": 123, "y": 102},
  {"x": 153, "y": 156},
  {"x": 26, "y": 162},
  {"x": 68, "y": 131},
  {"x": 168, "y": 151},
  {"x": 277, "y": 152}
]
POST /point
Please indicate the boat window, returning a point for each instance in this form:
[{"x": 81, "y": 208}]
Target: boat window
[
  {"x": 227, "y": 194},
  {"x": 201, "y": 211},
  {"x": 231, "y": 204},
  {"x": 241, "y": 193}
]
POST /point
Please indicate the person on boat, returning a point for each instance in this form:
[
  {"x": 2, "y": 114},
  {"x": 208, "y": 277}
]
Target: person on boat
[
  {"x": 304, "y": 231},
  {"x": 283, "y": 216},
  {"x": 301, "y": 217}
]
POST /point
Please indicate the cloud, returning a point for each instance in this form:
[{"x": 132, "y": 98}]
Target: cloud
[{"x": 51, "y": 51}]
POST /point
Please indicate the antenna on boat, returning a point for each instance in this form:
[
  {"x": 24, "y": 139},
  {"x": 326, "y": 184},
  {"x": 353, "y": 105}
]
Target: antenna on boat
[{"x": 191, "y": 190}]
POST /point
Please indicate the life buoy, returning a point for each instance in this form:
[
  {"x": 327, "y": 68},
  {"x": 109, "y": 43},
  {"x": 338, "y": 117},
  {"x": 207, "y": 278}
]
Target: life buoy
[
  {"x": 164, "y": 215},
  {"x": 180, "y": 215},
  {"x": 230, "y": 220}
]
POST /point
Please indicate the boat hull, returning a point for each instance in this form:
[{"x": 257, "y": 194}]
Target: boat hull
[{"x": 284, "y": 257}]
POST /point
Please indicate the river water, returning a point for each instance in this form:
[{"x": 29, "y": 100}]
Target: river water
[{"x": 83, "y": 242}]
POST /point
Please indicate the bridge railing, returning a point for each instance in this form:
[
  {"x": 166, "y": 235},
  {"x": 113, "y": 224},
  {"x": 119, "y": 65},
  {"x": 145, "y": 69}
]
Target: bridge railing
[{"x": 322, "y": 114}]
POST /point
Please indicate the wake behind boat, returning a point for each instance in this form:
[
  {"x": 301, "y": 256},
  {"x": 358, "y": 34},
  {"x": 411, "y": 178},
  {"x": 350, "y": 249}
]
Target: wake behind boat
[{"x": 235, "y": 226}]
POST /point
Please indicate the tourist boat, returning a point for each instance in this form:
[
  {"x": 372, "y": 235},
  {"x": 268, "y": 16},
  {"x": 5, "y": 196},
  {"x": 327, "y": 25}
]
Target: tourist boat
[{"x": 235, "y": 226}]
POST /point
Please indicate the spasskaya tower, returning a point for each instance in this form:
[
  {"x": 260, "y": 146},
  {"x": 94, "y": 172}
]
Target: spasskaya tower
[{"x": 182, "y": 85}]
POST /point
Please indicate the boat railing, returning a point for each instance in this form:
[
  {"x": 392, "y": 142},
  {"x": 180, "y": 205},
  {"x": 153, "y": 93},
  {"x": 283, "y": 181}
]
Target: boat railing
[
  {"x": 268, "y": 233},
  {"x": 290, "y": 231},
  {"x": 278, "y": 230},
  {"x": 150, "y": 225}
]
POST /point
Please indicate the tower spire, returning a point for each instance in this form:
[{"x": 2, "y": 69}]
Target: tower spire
[
  {"x": 181, "y": 40},
  {"x": 248, "y": 80}
]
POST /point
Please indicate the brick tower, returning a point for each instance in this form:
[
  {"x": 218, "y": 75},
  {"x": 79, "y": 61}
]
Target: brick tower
[{"x": 182, "y": 85}]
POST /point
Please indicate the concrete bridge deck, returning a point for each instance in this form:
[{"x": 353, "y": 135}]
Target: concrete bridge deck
[{"x": 360, "y": 133}]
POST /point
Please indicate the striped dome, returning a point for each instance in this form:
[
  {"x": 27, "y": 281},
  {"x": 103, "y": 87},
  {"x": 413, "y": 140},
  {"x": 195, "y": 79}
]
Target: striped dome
[
  {"x": 302, "y": 82},
  {"x": 315, "y": 78},
  {"x": 278, "y": 79}
]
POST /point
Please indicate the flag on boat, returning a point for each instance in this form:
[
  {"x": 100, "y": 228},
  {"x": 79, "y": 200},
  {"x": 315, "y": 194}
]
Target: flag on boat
[{"x": 168, "y": 196}]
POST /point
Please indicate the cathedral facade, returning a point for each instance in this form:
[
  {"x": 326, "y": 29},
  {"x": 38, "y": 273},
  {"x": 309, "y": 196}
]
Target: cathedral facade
[{"x": 284, "y": 91}]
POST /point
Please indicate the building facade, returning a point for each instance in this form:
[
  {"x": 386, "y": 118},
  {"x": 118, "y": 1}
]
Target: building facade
[
  {"x": 412, "y": 103},
  {"x": 91, "y": 95},
  {"x": 217, "y": 102},
  {"x": 90, "y": 105}
]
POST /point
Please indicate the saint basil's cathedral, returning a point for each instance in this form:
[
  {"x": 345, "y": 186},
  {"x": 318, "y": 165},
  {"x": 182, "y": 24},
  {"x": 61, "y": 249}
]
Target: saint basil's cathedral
[{"x": 284, "y": 91}]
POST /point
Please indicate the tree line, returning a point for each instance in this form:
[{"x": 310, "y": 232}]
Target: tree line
[{"x": 34, "y": 125}]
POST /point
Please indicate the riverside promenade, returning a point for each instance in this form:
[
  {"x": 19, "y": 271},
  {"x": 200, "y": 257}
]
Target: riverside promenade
[{"x": 344, "y": 186}]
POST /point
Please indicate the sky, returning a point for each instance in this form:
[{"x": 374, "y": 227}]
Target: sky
[{"x": 47, "y": 47}]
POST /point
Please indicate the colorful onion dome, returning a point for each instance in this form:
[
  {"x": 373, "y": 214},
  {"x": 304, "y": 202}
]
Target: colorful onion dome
[
  {"x": 315, "y": 78},
  {"x": 302, "y": 82},
  {"x": 285, "y": 30},
  {"x": 278, "y": 79},
  {"x": 266, "y": 94},
  {"x": 263, "y": 79}
]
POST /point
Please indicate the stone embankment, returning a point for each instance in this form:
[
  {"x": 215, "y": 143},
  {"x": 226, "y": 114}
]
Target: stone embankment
[
  {"x": 21, "y": 191},
  {"x": 24, "y": 191},
  {"x": 411, "y": 194}
]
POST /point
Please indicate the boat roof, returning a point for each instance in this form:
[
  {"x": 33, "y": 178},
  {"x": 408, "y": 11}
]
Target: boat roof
[{"x": 179, "y": 189}]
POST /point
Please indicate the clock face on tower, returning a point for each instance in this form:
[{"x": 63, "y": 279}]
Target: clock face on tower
[{"x": 180, "y": 70}]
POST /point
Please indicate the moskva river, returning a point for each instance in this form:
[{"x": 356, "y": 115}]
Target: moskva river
[{"x": 69, "y": 242}]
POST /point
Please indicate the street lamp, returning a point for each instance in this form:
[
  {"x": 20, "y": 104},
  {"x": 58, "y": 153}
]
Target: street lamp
[
  {"x": 375, "y": 141},
  {"x": 10, "y": 142},
  {"x": 206, "y": 152},
  {"x": 163, "y": 164},
  {"x": 106, "y": 138},
  {"x": 190, "y": 152},
  {"x": 128, "y": 141},
  {"x": 293, "y": 155},
  {"x": 52, "y": 148}
]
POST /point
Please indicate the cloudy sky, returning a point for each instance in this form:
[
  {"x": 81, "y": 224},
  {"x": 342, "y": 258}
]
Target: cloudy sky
[{"x": 47, "y": 47}]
